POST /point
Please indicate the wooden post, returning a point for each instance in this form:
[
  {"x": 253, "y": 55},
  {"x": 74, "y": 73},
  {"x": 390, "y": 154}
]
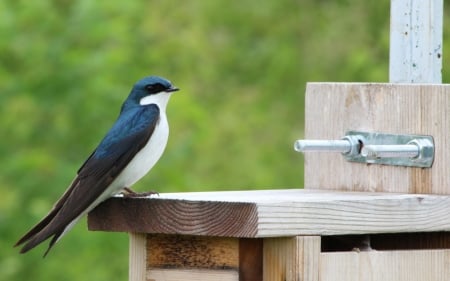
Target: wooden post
[
  {"x": 291, "y": 258},
  {"x": 416, "y": 41},
  {"x": 138, "y": 257}
]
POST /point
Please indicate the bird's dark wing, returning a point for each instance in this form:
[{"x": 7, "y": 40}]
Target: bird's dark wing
[{"x": 128, "y": 135}]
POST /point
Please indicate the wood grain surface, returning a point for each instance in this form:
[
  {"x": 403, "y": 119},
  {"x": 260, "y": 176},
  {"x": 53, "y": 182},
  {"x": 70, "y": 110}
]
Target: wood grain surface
[
  {"x": 335, "y": 108},
  {"x": 274, "y": 213},
  {"x": 291, "y": 258},
  {"x": 138, "y": 256},
  {"x": 385, "y": 265},
  {"x": 188, "y": 252}
]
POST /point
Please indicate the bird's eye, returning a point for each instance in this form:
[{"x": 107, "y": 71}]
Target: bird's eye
[
  {"x": 149, "y": 88},
  {"x": 155, "y": 88}
]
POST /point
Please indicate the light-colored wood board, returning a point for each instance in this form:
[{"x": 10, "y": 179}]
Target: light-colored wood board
[
  {"x": 282, "y": 196},
  {"x": 339, "y": 266},
  {"x": 353, "y": 217},
  {"x": 291, "y": 258},
  {"x": 335, "y": 108},
  {"x": 276, "y": 254},
  {"x": 192, "y": 274},
  {"x": 386, "y": 265},
  {"x": 309, "y": 263},
  {"x": 286, "y": 213},
  {"x": 138, "y": 256},
  {"x": 187, "y": 252}
]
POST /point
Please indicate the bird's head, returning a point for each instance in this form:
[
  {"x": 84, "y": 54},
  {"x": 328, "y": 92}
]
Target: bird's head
[{"x": 150, "y": 90}]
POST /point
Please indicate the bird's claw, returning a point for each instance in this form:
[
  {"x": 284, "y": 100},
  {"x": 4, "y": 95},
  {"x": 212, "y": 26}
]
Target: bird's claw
[{"x": 129, "y": 193}]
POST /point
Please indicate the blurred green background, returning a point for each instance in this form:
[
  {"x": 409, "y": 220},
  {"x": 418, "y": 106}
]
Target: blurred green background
[{"x": 66, "y": 67}]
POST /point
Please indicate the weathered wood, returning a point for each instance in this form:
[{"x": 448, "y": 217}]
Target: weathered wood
[
  {"x": 340, "y": 266},
  {"x": 176, "y": 257},
  {"x": 291, "y": 258},
  {"x": 171, "y": 257},
  {"x": 138, "y": 255},
  {"x": 275, "y": 213},
  {"x": 334, "y": 108},
  {"x": 386, "y": 265},
  {"x": 188, "y": 252},
  {"x": 172, "y": 216},
  {"x": 309, "y": 248},
  {"x": 416, "y": 41}
]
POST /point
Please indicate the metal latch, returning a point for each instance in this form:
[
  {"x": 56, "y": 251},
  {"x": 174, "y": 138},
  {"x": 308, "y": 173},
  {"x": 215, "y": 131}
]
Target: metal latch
[{"x": 377, "y": 148}]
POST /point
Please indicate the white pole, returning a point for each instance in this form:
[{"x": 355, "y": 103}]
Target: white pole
[{"x": 416, "y": 41}]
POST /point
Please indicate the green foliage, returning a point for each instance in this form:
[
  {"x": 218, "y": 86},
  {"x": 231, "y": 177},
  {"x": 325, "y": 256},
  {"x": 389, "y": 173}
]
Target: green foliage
[{"x": 66, "y": 67}]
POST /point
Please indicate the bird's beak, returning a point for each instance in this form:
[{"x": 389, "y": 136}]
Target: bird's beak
[{"x": 173, "y": 89}]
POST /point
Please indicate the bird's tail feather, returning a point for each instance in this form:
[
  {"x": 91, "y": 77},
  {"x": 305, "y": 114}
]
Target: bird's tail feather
[
  {"x": 45, "y": 229},
  {"x": 39, "y": 233},
  {"x": 37, "y": 228},
  {"x": 39, "y": 238}
]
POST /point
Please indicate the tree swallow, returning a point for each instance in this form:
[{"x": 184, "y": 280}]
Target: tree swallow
[{"x": 129, "y": 150}]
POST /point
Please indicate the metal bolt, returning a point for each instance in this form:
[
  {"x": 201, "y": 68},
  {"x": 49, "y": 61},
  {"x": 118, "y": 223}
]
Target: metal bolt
[
  {"x": 347, "y": 145},
  {"x": 390, "y": 151},
  {"x": 342, "y": 146}
]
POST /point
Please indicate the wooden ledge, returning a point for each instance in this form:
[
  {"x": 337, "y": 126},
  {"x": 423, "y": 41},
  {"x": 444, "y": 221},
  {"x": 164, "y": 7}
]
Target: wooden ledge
[{"x": 273, "y": 213}]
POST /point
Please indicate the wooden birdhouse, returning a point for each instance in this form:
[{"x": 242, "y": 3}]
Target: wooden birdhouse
[{"x": 375, "y": 203}]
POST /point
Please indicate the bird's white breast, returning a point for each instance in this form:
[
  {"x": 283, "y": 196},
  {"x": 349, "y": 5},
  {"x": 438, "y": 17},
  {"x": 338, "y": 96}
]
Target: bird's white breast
[{"x": 146, "y": 158}]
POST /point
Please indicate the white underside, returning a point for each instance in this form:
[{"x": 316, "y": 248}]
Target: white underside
[{"x": 142, "y": 162}]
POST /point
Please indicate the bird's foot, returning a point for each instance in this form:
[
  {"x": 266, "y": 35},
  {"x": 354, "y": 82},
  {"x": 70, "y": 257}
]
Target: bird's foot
[{"x": 129, "y": 193}]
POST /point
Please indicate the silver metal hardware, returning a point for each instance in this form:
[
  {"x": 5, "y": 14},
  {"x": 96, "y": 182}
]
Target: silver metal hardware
[
  {"x": 390, "y": 151},
  {"x": 349, "y": 145},
  {"x": 342, "y": 146},
  {"x": 377, "y": 148}
]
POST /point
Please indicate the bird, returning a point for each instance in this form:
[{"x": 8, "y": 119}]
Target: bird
[{"x": 128, "y": 151}]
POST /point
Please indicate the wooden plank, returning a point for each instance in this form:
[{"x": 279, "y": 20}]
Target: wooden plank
[
  {"x": 340, "y": 266},
  {"x": 385, "y": 265},
  {"x": 277, "y": 253},
  {"x": 309, "y": 262},
  {"x": 176, "y": 257},
  {"x": 206, "y": 257},
  {"x": 291, "y": 258},
  {"x": 189, "y": 217},
  {"x": 277, "y": 213},
  {"x": 250, "y": 259},
  {"x": 416, "y": 41},
  {"x": 138, "y": 256},
  {"x": 334, "y": 108},
  {"x": 189, "y": 252},
  {"x": 192, "y": 274}
]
